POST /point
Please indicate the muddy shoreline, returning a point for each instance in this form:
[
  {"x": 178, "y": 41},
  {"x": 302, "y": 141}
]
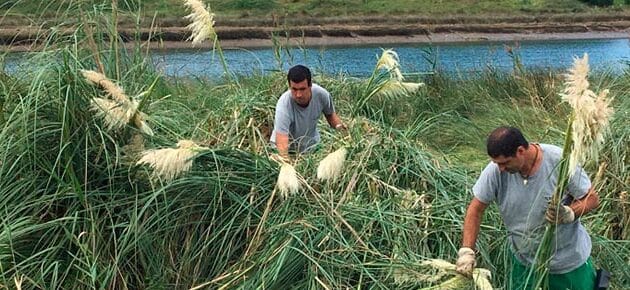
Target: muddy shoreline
[
  {"x": 26, "y": 38},
  {"x": 441, "y": 38}
]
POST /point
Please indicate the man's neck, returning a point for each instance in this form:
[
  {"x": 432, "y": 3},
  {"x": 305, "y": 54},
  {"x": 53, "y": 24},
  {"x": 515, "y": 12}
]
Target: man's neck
[{"x": 533, "y": 154}]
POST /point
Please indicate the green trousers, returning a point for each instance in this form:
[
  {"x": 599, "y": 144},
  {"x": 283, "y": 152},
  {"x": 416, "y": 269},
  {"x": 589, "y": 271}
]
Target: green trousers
[{"x": 582, "y": 278}]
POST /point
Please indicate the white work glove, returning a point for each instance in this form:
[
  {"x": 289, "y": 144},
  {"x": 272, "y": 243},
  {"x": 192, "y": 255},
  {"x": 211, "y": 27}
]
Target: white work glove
[
  {"x": 341, "y": 127},
  {"x": 561, "y": 214},
  {"x": 465, "y": 261}
]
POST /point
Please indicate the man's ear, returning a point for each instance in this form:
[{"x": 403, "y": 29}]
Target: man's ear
[{"x": 520, "y": 150}]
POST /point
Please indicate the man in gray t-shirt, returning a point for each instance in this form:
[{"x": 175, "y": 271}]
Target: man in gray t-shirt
[
  {"x": 297, "y": 113},
  {"x": 521, "y": 180}
]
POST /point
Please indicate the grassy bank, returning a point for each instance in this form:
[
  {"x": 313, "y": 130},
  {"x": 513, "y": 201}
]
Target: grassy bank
[
  {"x": 258, "y": 8},
  {"x": 78, "y": 212},
  {"x": 233, "y": 12},
  {"x": 27, "y": 23}
]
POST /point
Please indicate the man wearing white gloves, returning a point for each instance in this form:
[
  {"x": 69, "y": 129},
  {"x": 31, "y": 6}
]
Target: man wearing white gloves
[{"x": 521, "y": 180}]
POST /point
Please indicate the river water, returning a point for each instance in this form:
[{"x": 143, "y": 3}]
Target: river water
[{"x": 612, "y": 55}]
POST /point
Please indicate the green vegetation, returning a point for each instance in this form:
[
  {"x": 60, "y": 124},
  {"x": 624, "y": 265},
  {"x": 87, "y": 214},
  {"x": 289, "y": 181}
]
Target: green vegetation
[
  {"x": 317, "y": 8},
  {"x": 78, "y": 213}
]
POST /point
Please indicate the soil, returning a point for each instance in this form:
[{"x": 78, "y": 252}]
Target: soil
[{"x": 252, "y": 33}]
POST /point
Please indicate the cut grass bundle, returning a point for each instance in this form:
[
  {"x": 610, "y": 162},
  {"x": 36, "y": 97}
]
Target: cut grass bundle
[{"x": 434, "y": 271}]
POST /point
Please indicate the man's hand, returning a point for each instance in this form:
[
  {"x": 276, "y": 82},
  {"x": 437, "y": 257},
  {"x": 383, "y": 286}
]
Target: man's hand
[
  {"x": 465, "y": 261},
  {"x": 561, "y": 214}
]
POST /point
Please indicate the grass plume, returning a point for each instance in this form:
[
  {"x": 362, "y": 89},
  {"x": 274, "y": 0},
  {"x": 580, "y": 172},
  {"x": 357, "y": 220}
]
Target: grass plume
[
  {"x": 288, "y": 182},
  {"x": 202, "y": 21},
  {"x": 169, "y": 163},
  {"x": 590, "y": 114},
  {"x": 389, "y": 61},
  {"x": 120, "y": 111},
  {"x": 330, "y": 167}
]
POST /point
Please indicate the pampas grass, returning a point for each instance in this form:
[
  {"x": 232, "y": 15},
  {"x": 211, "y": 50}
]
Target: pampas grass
[
  {"x": 583, "y": 138},
  {"x": 389, "y": 61},
  {"x": 590, "y": 114},
  {"x": 116, "y": 115},
  {"x": 120, "y": 111},
  {"x": 112, "y": 89},
  {"x": 202, "y": 22},
  {"x": 330, "y": 167},
  {"x": 202, "y": 26},
  {"x": 170, "y": 163},
  {"x": 288, "y": 182},
  {"x": 393, "y": 88}
]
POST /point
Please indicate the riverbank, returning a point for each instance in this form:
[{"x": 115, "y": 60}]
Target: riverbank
[
  {"x": 328, "y": 41},
  {"x": 331, "y": 41},
  {"x": 254, "y": 33}
]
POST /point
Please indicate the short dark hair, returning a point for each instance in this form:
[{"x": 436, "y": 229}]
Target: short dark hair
[
  {"x": 299, "y": 73},
  {"x": 504, "y": 141}
]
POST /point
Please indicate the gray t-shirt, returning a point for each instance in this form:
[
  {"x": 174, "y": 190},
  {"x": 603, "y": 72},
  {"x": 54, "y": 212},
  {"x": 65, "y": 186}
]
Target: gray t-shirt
[
  {"x": 523, "y": 207},
  {"x": 300, "y": 123}
]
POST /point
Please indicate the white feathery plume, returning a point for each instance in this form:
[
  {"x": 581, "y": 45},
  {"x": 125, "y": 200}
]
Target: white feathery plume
[
  {"x": 112, "y": 89},
  {"x": 169, "y": 163},
  {"x": 330, "y": 167},
  {"x": 116, "y": 115},
  {"x": 288, "y": 182},
  {"x": 590, "y": 114},
  {"x": 202, "y": 25},
  {"x": 117, "y": 112},
  {"x": 389, "y": 61},
  {"x": 396, "y": 88}
]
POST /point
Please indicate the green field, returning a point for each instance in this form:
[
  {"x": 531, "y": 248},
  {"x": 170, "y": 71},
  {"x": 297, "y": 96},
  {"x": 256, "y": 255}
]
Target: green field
[{"x": 77, "y": 211}]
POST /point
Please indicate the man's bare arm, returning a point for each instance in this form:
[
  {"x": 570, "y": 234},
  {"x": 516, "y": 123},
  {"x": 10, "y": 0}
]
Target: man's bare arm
[
  {"x": 334, "y": 121},
  {"x": 472, "y": 222},
  {"x": 282, "y": 144},
  {"x": 586, "y": 204}
]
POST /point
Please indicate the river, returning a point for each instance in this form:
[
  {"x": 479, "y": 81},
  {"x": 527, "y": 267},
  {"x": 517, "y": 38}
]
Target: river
[{"x": 611, "y": 55}]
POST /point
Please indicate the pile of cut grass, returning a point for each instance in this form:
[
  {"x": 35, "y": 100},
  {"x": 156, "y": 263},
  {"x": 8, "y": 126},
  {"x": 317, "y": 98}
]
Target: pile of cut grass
[{"x": 78, "y": 212}]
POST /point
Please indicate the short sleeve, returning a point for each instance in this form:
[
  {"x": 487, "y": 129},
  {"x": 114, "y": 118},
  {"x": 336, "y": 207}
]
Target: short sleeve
[
  {"x": 487, "y": 185},
  {"x": 327, "y": 107},
  {"x": 579, "y": 184},
  {"x": 282, "y": 121}
]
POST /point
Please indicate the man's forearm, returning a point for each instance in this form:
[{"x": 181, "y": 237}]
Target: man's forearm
[
  {"x": 282, "y": 144},
  {"x": 333, "y": 120},
  {"x": 585, "y": 205},
  {"x": 472, "y": 223}
]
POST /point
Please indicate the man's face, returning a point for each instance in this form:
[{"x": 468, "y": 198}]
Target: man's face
[
  {"x": 300, "y": 92},
  {"x": 511, "y": 164}
]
